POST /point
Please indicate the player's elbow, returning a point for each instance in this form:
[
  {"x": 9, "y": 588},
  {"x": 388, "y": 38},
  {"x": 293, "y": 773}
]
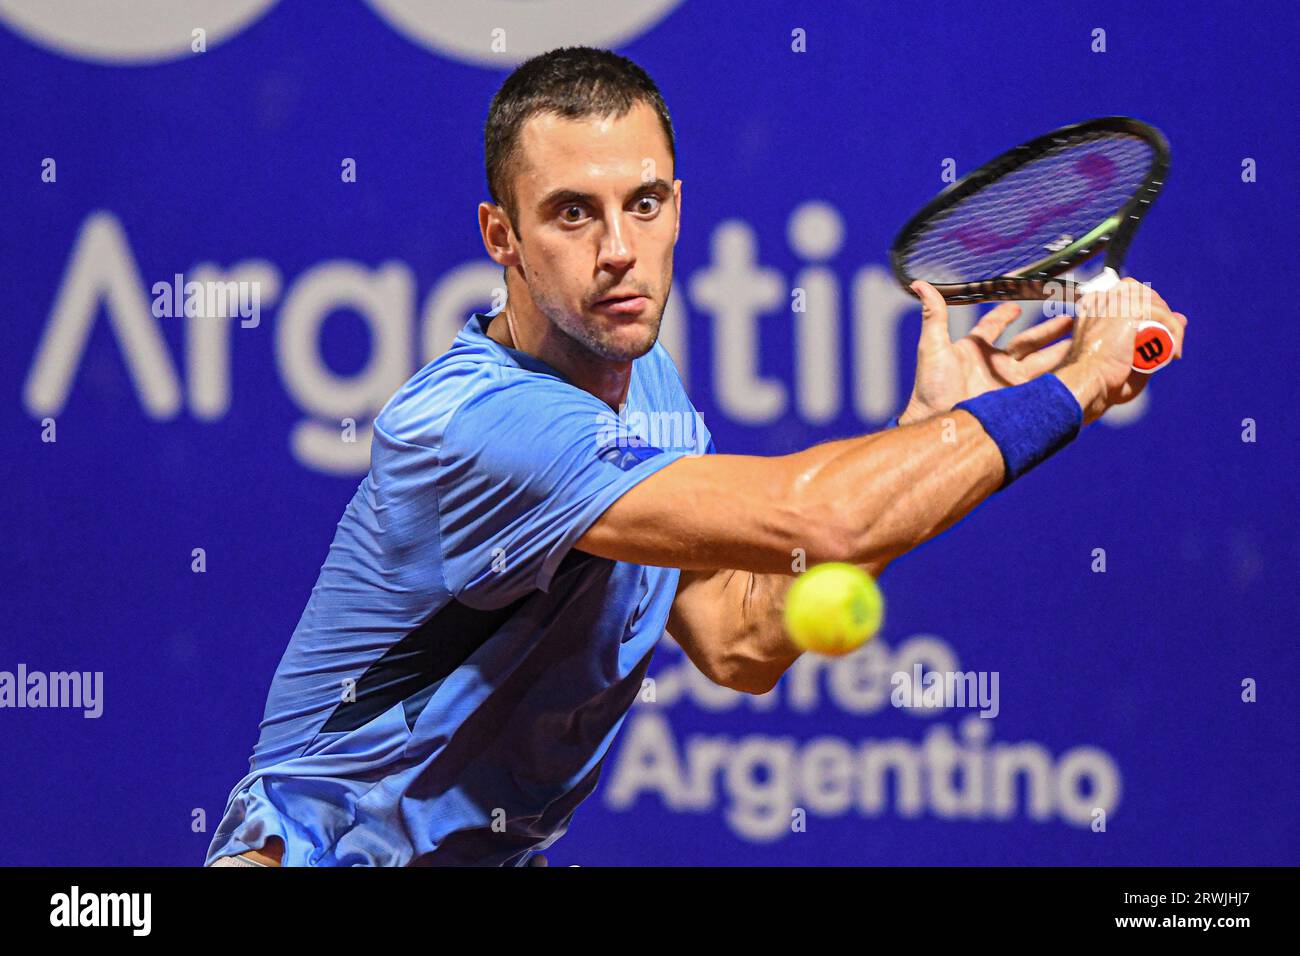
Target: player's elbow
[
  {"x": 734, "y": 667},
  {"x": 750, "y": 677}
]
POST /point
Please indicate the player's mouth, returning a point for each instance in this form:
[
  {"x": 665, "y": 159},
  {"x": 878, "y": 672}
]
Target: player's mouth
[{"x": 624, "y": 305}]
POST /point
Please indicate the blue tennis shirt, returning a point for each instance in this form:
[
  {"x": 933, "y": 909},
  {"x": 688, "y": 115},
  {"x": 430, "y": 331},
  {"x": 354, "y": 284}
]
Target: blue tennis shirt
[{"x": 460, "y": 670}]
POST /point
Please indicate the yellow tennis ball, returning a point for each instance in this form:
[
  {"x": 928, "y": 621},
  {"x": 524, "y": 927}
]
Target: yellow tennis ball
[{"x": 833, "y": 608}]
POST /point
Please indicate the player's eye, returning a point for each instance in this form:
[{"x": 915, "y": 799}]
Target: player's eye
[
  {"x": 574, "y": 208},
  {"x": 653, "y": 205}
]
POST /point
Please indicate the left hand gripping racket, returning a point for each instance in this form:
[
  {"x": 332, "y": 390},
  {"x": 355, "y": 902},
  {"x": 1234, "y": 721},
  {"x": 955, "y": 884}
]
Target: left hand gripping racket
[{"x": 1011, "y": 227}]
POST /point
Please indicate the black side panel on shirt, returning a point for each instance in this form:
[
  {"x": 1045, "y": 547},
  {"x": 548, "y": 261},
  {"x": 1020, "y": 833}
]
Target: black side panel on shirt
[{"x": 411, "y": 670}]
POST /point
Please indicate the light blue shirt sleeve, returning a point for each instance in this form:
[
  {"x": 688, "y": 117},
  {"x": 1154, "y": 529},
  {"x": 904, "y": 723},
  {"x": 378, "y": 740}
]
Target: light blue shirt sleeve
[{"x": 525, "y": 468}]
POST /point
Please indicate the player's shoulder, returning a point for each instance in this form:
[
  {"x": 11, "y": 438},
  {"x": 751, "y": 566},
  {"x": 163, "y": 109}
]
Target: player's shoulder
[
  {"x": 420, "y": 411},
  {"x": 474, "y": 391}
]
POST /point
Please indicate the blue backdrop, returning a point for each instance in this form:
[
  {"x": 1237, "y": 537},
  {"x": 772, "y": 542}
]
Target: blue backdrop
[{"x": 807, "y": 134}]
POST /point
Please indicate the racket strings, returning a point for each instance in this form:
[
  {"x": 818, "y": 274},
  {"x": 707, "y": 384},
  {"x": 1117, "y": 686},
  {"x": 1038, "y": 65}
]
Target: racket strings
[{"x": 1032, "y": 212}]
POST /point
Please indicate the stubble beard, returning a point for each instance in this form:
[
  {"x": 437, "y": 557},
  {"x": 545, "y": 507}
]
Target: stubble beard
[{"x": 604, "y": 342}]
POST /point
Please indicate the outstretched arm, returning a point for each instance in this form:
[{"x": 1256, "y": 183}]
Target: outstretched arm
[{"x": 863, "y": 500}]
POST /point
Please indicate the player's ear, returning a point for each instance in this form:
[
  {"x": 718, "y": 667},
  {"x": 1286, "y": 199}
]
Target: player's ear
[{"x": 498, "y": 234}]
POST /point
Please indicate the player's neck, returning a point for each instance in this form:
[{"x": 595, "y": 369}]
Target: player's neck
[{"x": 607, "y": 380}]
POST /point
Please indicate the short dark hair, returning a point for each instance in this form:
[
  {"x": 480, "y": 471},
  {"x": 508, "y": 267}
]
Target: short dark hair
[{"x": 571, "y": 82}]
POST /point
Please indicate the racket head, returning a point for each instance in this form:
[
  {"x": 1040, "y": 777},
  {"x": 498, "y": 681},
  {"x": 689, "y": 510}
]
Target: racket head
[{"x": 1008, "y": 229}]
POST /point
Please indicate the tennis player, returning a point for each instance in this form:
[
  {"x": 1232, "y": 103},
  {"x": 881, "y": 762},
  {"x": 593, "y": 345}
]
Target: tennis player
[{"x": 496, "y": 587}]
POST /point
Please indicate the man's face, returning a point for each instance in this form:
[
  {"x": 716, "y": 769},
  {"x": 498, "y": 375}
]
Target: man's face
[{"x": 598, "y": 217}]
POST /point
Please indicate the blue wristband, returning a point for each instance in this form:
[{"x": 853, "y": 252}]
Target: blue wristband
[
  {"x": 1028, "y": 422},
  {"x": 892, "y": 423}
]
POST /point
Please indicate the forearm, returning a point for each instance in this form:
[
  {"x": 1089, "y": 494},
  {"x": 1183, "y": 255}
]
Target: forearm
[
  {"x": 937, "y": 471},
  {"x": 822, "y": 504},
  {"x": 862, "y": 500},
  {"x": 881, "y": 496}
]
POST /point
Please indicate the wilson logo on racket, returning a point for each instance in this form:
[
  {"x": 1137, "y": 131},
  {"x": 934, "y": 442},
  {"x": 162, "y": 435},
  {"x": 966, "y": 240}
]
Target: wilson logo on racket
[{"x": 1153, "y": 347}]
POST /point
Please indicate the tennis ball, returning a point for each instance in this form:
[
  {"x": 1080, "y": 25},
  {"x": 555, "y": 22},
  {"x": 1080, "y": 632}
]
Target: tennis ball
[{"x": 833, "y": 608}]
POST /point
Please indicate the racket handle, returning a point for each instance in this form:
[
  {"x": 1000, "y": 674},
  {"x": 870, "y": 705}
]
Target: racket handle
[{"x": 1154, "y": 347}]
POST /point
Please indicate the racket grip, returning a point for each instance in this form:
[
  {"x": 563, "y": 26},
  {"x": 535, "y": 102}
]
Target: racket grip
[{"x": 1153, "y": 348}]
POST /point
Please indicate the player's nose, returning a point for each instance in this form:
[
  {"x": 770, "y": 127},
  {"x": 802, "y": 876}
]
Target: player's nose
[{"x": 616, "y": 252}]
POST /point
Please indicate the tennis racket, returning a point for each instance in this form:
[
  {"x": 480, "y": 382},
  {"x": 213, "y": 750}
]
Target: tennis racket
[{"x": 1011, "y": 227}]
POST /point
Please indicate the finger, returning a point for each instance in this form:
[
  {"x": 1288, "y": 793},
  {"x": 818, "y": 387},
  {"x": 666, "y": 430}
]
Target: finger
[
  {"x": 990, "y": 326},
  {"x": 1182, "y": 320},
  {"x": 1035, "y": 337},
  {"x": 934, "y": 316},
  {"x": 1175, "y": 322},
  {"x": 1044, "y": 360},
  {"x": 1172, "y": 321},
  {"x": 1147, "y": 290}
]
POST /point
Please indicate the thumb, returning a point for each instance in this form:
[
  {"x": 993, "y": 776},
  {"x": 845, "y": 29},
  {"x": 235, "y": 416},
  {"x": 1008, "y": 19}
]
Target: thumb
[{"x": 934, "y": 316}]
